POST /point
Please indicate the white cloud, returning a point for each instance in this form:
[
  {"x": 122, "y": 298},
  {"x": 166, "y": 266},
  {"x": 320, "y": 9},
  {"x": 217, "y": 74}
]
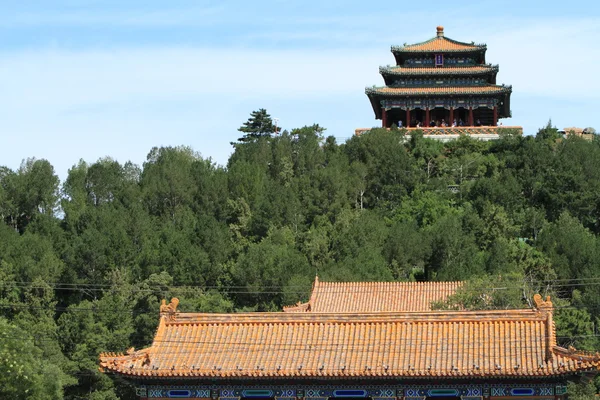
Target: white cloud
[
  {"x": 65, "y": 104},
  {"x": 556, "y": 58},
  {"x": 123, "y": 17}
]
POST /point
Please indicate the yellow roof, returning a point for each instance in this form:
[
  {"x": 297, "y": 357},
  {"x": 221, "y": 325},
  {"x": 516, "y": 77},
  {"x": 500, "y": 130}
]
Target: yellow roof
[
  {"x": 506, "y": 343},
  {"x": 440, "y": 43},
  {"x": 375, "y": 296}
]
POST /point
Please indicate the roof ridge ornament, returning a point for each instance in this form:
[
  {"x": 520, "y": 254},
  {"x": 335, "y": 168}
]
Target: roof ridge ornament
[
  {"x": 169, "y": 310},
  {"x": 440, "y": 31},
  {"x": 542, "y": 305}
]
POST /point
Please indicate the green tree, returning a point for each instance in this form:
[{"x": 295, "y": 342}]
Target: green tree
[
  {"x": 548, "y": 133},
  {"x": 258, "y": 125},
  {"x": 582, "y": 391},
  {"x": 24, "y": 374},
  {"x": 166, "y": 180}
]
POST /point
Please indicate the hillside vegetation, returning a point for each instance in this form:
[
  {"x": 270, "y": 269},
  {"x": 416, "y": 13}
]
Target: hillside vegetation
[{"x": 84, "y": 263}]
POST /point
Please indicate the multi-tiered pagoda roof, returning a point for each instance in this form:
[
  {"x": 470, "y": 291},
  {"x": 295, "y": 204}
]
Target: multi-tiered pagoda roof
[{"x": 440, "y": 83}]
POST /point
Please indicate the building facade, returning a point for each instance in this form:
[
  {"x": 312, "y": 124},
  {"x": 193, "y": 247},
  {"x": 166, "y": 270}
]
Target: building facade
[
  {"x": 306, "y": 354},
  {"x": 440, "y": 83}
]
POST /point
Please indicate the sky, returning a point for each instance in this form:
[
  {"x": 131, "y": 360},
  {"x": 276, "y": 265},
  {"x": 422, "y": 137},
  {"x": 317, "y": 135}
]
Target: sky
[{"x": 89, "y": 79}]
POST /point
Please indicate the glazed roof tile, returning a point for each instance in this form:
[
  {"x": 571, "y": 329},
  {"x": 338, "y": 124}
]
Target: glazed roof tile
[
  {"x": 440, "y": 43},
  {"x": 508, "y": 343},
  {"x": 440, "y": 90},
  {"x": 463, "y": 70},
  {"x": 375, "y": 296}
]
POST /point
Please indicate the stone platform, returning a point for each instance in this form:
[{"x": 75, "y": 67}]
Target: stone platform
[{"x": 446, "y": 134}]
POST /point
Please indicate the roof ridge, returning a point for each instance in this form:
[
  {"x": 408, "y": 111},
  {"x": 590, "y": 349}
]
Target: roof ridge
[
  {"x": 408, "y": 47},
  {"x": 444, "y": 316}
]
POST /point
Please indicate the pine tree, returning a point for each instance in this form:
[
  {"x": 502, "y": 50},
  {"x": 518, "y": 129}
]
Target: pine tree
[{"x": 258, "y": 125}]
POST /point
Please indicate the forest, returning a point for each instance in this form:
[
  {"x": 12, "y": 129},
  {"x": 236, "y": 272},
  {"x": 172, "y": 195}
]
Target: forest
[{"x": 84, "y": 263}]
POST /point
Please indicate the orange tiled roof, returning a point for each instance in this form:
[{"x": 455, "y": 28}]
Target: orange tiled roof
[
  {"x": 375, "y": 296},
  {"x": 440, "y": 43},
  {"x": 466, "y": 70},
  {"x": 513, "y": 343},
  {"x": 441, "y": 90}
]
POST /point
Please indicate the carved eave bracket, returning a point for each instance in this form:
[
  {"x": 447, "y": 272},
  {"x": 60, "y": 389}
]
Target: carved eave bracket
[{"x": 169, "y": 311}]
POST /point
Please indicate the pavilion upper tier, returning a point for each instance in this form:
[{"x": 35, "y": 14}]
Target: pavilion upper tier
[{"x": 440, "y": 44}]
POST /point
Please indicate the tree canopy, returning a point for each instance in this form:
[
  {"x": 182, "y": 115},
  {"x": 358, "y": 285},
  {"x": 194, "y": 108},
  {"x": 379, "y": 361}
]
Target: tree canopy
[
  {"x": 85, "y": 263},
  {"x": 260, "y": 124}
]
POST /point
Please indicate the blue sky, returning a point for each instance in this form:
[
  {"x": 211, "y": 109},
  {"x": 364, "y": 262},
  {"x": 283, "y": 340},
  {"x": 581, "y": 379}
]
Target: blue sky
[{"x": 88, "y": 79}]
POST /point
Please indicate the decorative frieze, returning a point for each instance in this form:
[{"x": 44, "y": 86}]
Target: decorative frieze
[
  {"x": 326, "y": 392},
  {"x": 430, "y": 61},
  {"x": 446, "y": 103},
  {"x": 459, "y": 81}
]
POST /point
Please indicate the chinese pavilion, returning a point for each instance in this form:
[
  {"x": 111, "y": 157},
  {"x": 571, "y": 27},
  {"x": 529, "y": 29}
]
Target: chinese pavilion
[
  {"x": 438, "y": 82},
  {"x": 349, "y": 342}
]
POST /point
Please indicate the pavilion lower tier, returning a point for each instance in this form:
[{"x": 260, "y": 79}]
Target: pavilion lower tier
[
  {"x": 481, "y": 116},
  {"x": 440, "y": 112},
  {"x": 436, "y": 390}
]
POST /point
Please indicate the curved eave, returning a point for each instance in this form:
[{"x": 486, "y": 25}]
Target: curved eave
[
  {"x": 419, "y": 48},
  {"x": 565, "y": 367},
  {"x": 376, "y": 96},
  {"x": 391, "y": 74},
  {"x": 438, "y": 91},
  {"x": 375, "y": 103}
]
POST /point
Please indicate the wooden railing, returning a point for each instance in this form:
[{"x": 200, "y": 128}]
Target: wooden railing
[{"x": 458, "y": 130}]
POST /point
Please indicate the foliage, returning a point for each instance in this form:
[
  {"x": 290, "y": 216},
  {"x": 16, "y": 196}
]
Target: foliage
[
  {"x": 581, "y": 391},
  {"x": 84, "y": 266},
  {"x": 258, "y": 125},
  {"x": 24, "y": 374}
]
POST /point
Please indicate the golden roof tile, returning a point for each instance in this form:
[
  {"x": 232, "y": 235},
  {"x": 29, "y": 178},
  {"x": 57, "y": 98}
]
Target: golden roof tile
[
  {"x": 440, "y": 43},
  {"x": 462, "y": 70},
  {"x": 375, "y": 296},
  {"x": 441, "y": 90},
  {"x": 507, "y": 343}
]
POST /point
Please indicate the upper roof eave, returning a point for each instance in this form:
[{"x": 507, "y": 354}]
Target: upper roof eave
[
  {"x": 439, "y": 44},
  {"x": 439, "y": 91}
]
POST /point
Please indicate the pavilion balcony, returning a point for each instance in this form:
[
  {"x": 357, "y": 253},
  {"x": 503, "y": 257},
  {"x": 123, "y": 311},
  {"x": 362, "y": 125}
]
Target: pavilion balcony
[{"x": 446, "y": 133}]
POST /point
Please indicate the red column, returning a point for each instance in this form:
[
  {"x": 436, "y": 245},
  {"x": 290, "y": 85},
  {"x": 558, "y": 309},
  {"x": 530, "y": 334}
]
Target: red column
[
  {"x": 495, "y": 116},
  {"x": 383, "y": 118},
  {"x": 407, "y": 118},
  {"x": 451, "y": 116},
  {"x": 471, "y": 122},
  {"x": 427, "y": 120}
]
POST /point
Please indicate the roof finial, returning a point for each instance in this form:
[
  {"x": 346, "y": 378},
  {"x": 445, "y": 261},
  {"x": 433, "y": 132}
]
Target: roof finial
[
  {"x": 169, "y": 310},
  {"x": 440, "y": 31},
  {"x": 542, "y": 305}
]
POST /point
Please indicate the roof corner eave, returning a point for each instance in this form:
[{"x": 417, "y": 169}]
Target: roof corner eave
[{"x": 374, "y": 98}]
